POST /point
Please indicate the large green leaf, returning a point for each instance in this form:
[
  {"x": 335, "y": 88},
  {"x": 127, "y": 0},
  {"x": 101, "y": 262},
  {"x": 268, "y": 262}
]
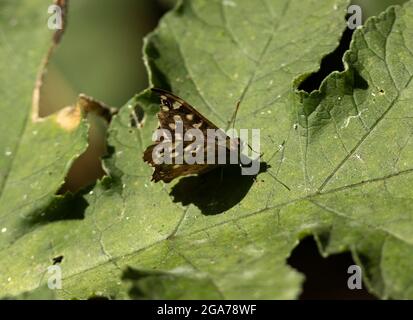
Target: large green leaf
[
  {"x": 41, "y": 293},
  {"x": 343, "y": 151},
  {"x": 35, "y": 153}
]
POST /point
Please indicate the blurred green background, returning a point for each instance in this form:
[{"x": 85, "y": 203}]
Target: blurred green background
[
  {"x": 100, "y": 54},
  {"x": 374, "y": 7}
]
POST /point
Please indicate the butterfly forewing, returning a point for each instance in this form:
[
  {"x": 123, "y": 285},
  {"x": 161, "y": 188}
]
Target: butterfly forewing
[
  {"x": 173, "y": 107},
  {"x": 175, "y": 112}
]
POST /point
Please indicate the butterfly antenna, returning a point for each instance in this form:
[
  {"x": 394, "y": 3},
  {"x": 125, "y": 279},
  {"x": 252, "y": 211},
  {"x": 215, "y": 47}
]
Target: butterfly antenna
[{"x": 234, "y": 116}]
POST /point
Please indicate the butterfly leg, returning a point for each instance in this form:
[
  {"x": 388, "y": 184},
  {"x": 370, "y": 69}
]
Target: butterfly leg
[
  {"x": 233, "y": 117},
  {"x": 278, "y": 180},
  {"x": 261, "y": 154}
]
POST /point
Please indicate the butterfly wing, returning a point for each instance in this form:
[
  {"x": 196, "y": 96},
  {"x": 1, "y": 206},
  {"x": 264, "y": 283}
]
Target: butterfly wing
[
  {"x": 173, "y": 106},
  {"x": 175, "y": 109},
  {"x": 168, "y": 172}
]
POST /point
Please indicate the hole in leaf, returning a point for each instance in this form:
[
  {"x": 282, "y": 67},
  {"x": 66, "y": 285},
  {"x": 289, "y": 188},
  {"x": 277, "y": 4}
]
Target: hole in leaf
[
  {"x": 87, "y": 168},
  {"x": 57, "y": 259},
  {"x": 136, "y": 117},
  {"x": 331, "y": 62},
  {"x": 326, "y": 278},
  {"x": 67, "y": 207}
]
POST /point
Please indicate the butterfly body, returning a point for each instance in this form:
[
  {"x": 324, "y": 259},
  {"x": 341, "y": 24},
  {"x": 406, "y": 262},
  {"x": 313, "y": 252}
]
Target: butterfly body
[{"x": 175, "y": 113}]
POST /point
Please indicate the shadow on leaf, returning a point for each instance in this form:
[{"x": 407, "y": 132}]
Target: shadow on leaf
[
  {"x": 156, "y": 284},
  {"x": 216, "y": 191},
  {"x": 138, "y": 278}
]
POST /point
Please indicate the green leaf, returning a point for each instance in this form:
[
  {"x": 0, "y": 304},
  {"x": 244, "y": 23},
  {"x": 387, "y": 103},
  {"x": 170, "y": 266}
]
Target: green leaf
[
  {"x": 131, "y": 221},
  {"x": 168, "y": 285},
  {"x": 41, "y": 293},
  {"x": 35, "y": 153},
  {"x": 344, "y": 152}
]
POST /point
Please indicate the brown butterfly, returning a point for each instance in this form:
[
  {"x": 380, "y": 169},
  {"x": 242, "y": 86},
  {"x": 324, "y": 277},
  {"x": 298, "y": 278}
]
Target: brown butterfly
[{"x": 175, "y": 109}]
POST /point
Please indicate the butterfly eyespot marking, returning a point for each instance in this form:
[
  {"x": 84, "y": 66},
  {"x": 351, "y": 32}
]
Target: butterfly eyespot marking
[
  {"x": 193, "y": 150},
  {"x": 188, "y": 148},
  {"x": 198, "y": 125},
  {"x": 166, "y": 103},
  {"x": 189, "y": 117},
  {"x": 177, "y": 105}
]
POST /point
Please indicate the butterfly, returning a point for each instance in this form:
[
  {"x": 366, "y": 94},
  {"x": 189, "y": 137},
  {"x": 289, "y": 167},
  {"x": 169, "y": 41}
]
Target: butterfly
[{"x": 173, "y": 110}]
